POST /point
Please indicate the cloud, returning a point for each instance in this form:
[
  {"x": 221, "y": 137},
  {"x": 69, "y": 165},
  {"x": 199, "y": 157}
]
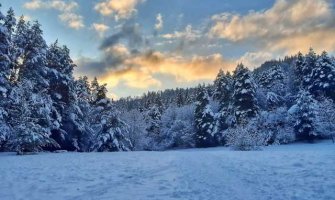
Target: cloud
[
  {"x": 288, "y": 25},
  {"x": 139, "y": 70},
  {"x": 159, "y": 22},
  {"x": 119, "y": 9},
  {"x": 100, "y": 28},
  {"x": 129, "y": 33},
  {"x": 66, "y": 9},
  {"x": 188, "y": 34},
  {"x": 72, "y": 20},
  {"x": 255, "y": 59}
]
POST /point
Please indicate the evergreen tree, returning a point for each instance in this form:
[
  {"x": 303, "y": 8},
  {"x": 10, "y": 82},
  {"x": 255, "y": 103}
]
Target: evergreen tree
[
  {"x": 308, "y": 66},
  {"x": 69, "y": 130},
  {"x": 109, "y": 129},
  {"x": 245, "y": 103},
  {"x": 323, "y": 77},
  {"x": 83, "y": 91},
  {"x": 19, "y": 43},
  {"x": 5, "y": 68},
  {"x": 304, "y": 126},
  {"x": 33, "y": 66},
  {"x": 94, "y": 89},
  {"x": 223, "y": 93},
  {"x": 298, "y": 71},
  {"x": 5, "y": 57},
  {"x": 29, "y": 114},
  {"x": 180, "y": 101},
  {"x": 154, "y": 120},
  {"x": 60, "y": 69},
  {"x": 204, "y": 120},
  {"x": 273, "y": 79}
]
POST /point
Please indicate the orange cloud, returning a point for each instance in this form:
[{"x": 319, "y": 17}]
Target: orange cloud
[
  {"x": 289, "y": 26},
  {"x": 140, "y": 71},
  {"x": 119, "y": 9}
]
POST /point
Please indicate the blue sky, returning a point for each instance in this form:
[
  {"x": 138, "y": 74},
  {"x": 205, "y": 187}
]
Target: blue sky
[{"x": 140, "y": 45}]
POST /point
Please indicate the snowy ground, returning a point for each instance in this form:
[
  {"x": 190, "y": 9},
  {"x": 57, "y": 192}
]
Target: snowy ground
[{"x": 300, "y": 171}]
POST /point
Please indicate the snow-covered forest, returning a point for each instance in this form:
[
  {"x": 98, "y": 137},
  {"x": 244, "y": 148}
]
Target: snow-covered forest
[{"x": 44, "y": 108}]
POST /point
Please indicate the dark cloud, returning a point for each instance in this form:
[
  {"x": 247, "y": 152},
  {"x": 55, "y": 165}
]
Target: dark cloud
[{"x": 129, "y": 32}]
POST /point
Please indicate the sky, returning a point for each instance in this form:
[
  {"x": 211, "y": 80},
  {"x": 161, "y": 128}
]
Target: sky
[{"x": 136, "y": 46}]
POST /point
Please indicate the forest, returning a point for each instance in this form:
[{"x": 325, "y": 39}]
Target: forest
[{"x": 43, "y": 107}]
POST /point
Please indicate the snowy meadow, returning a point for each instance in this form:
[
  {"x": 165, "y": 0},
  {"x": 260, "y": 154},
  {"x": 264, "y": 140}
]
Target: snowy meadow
[{"x": 298, "y": 171}]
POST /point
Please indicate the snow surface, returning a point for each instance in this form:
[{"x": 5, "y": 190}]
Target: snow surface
[{"x": 299, "y": 171}]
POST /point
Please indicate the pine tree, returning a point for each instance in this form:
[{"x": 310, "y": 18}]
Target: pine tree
[
  {"x": 19, "y": 43},
  {"x": 29, "y": 118},
  {"x": 304, "y": 126},
  {"x": 180, "y": 101},
  {"x": 82, "y": 89},
  {"x": 154, "y": 120},
  {"x": 94, "y": 89},
  {"x": 273, "y": 79},
  {"x": 223, "y": 92},
  {"x": 323, "y": 77},
  {"x": 308, "y": 66},
  {"x": 109, "y": 129},
  {"x": 10, "y": 21},
  {"x": 33, "y": 67},
  {"x": 204, "y": 120},
  {"x": 245, "y": 103},
  {"x": 60, "y": 69},
  {"x": 69, "y": 130},
  {"x": 5, "y": 57},
  {"x": 5, "y": 68},
  {"x": 298, "y": 71}
]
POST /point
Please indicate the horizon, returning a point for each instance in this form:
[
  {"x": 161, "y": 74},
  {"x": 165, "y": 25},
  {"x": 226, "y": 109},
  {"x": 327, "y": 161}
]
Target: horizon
[{"x": 143, "y": 45}]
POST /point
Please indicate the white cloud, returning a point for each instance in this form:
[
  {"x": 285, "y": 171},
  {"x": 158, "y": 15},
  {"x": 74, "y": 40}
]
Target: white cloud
[
  {"x": 307, "y": 21},
  {"x": 118, "y": 9},
  {"x": 72, "y": 20},
  {"x": 189, "y": 34},
  {"x": 100, "y": 28},
  {"x": 66, "y": 9},
  {"x": 159, "y": 22},
  {"x": 34, "y": 5},
  {"x": 255, "y": 59}
]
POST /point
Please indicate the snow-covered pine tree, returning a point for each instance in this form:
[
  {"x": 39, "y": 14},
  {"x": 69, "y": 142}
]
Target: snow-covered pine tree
[
  {"x": 108, "y": 128},
  {"x": 19, "y": 44},
  {"x": 273, "y": 79},
  {"x": 69, "y": 129},
  {"x": 298, "y": 71},
  {"x": 6, "y": 63},
  {"x": 323, "y": 77},
  {"x": 82, "y": 88},
  {"x": 94, "y": 89},
  {"x": 223, "y": 87},
  {"x": 60, "y": 67},
  {"x": 28, "y": 117},
  {"x": 307, "y": 67},
  {"x": 5, "y": 57},
  {"x": 304, "y": 126},
  {"x": 33, "y": 65},
  {"x": 10, "y": 21},
  {"x": 245, "y": 103},
  {"x": 153, "y": 120},
  {"x": 204, "y": 120},
  {"x": 180, "y": 101}
]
